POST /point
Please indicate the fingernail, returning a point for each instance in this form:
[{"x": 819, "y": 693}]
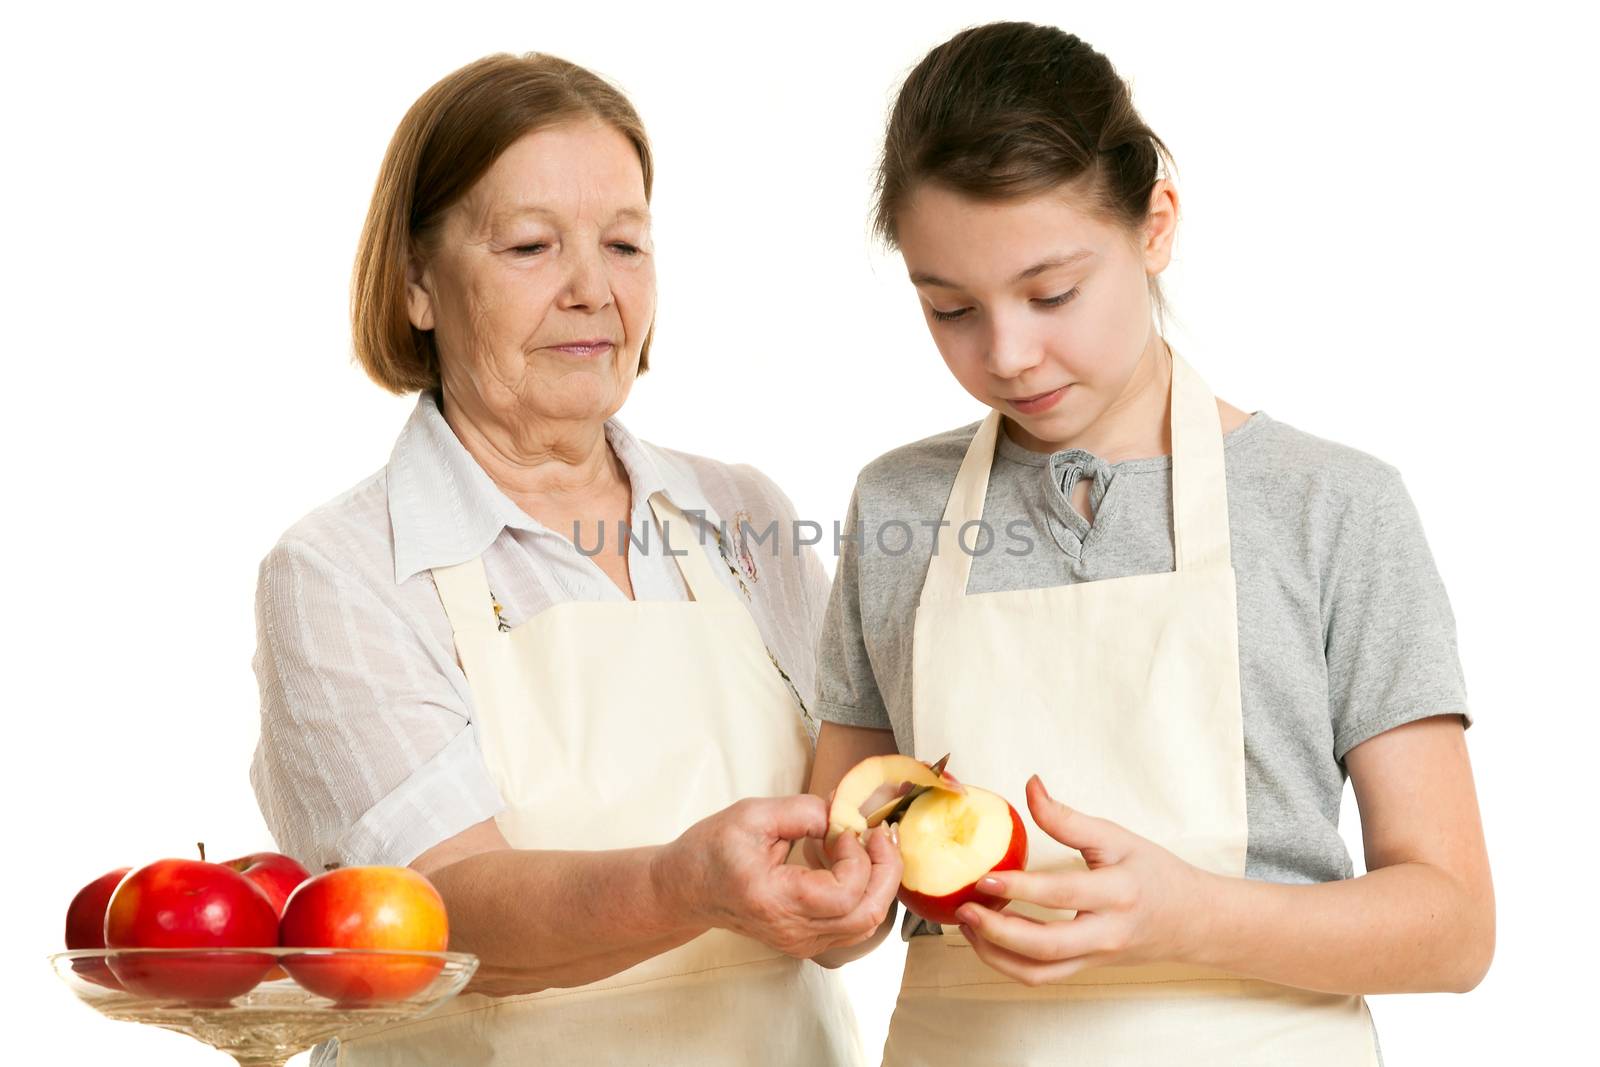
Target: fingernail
[
  {"x": 990, "y": 885},
  {"x": 894, "y": 833}
]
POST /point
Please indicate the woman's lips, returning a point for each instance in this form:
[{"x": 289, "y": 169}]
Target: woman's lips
[
  {"x": 1033, "y": 405},
  {"x": 583, "y": 349}
]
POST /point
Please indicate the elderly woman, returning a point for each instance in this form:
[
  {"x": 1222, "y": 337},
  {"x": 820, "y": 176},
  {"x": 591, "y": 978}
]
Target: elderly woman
[{"x": 525, "y": 659}]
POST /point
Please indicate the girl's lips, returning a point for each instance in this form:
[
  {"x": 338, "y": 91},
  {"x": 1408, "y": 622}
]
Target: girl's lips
[{"x": 1033, "y": 405}]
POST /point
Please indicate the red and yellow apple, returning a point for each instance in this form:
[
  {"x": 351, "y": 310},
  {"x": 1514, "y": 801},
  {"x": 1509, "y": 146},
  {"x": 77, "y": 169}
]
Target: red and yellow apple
[
  {"x": 951, "y": 835},
  {"x": 384, "y": 909},
  {"x": 189, "y": 904},
  {"x": 86, "y": 925}
]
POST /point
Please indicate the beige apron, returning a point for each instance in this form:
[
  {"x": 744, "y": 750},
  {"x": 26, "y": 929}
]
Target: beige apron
[
  {"x": 615, "y": 725},
  {"x": 1124, "y": 696}
]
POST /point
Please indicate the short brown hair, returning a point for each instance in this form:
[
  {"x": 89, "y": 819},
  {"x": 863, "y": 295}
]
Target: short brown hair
[
  {"x": 444, "y": 144},
  {"x": 1012, "y": 109}
]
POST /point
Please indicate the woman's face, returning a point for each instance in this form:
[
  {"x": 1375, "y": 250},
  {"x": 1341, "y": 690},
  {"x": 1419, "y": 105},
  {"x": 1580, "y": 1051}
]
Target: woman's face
[
  {"x": 1040, "y": 310},
  {"x": 540, "y": 286}
]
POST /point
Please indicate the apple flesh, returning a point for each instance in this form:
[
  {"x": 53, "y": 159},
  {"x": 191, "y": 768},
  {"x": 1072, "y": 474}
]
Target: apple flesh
[
  {"x": 384, "y": 909},
  {"x": 86, "y": 925},
  {"x": 948, "y": 841},
  {"x": 189, "y": 904},
  {"x": 951, "y": 835},
  {"x": 874, "y": 789}
]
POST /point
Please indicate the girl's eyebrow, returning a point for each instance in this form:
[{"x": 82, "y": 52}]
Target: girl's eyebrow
[{"x": 1066, "y": 259}]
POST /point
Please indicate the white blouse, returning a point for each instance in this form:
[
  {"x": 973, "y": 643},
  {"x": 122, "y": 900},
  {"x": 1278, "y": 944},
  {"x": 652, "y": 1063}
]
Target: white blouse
[{"x": 367, "y": 753}]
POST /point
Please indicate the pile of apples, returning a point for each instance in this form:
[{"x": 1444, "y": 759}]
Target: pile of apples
[
  {"x": 263, "y": 900},
  {"x": 951, "y": 834}
]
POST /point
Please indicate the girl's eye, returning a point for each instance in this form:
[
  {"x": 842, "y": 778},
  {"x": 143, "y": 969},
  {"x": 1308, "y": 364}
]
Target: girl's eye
[
  {"x": 1057, "y": 301},
  {"x": 949, "y": 316}
]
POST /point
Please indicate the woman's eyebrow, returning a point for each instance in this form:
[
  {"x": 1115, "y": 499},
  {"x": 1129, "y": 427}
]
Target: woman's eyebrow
[
  {"x": 1066, "y": 259},
  {"x": 516, "y": 211}
]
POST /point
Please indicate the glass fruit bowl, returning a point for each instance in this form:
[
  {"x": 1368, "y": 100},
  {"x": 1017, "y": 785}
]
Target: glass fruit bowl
[{"x": 262, "y": 1005}]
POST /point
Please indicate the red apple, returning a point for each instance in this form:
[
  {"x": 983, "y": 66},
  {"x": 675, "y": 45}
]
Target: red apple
[
  {"x": 277, "y": 876},
  {"x": 274, "y": 874},
  {"x": 190, "y": 904},
  {"x": 951, "y": 835},
  {"x": 86, "y": 925},
  {"x": 391, "y": 909},
  {"x": 950, "y": 840}
]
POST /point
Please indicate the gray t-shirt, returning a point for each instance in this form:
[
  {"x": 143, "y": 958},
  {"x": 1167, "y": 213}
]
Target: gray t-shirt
[{"x": 1344, "y": 627}]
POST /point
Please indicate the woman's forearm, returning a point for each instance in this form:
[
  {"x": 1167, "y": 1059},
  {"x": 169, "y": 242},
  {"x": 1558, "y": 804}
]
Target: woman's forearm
[
  {"x": 838, "y": 957},
  {"x": 1405, "y": 928},
  {"x": 543, "y": 919}
]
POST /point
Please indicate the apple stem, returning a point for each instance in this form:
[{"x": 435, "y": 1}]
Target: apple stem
[{"x": 201, "y": 845}]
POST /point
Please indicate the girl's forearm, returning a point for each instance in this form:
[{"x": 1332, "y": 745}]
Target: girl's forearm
[{"x": 1406, "y": 928}]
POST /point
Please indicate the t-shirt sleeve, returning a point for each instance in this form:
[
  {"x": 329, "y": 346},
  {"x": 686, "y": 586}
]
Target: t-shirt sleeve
[
  {"x": 367, "y": 754},
  {"x": 1390, "y": 635},
  {"x": 847, "y": 690}
]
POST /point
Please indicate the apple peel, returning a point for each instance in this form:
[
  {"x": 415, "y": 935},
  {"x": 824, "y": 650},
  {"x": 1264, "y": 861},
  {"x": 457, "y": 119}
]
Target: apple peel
[{"x": 880, "y": 788}]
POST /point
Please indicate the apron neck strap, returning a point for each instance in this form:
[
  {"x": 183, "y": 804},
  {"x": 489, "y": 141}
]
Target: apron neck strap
[
  {"x": 1199, "y": 478},
  {"x": 1199, "y": 490},
  {"x": 680, "y": 536},
  {"x": 464, "y": 588},
  {"x": 951, "y": 565}
]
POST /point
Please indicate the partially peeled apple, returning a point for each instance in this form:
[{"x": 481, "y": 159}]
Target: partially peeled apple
[{"x": 951, "y": 834}]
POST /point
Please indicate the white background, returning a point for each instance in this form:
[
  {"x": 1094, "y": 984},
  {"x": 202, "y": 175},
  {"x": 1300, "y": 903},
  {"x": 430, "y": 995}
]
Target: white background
[{"x": 1387, "y": 239}]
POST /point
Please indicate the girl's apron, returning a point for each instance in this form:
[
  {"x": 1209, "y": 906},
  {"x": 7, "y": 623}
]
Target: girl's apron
[
  {"x": 1124, "y": 696},
  {"x": 616, "y": 725}
]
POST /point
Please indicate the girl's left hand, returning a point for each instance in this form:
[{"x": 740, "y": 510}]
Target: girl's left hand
[{"x": 1137, "y": 902}]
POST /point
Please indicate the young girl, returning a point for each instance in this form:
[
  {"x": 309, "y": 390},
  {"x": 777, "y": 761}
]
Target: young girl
[{"x": 1192, "y": 622}]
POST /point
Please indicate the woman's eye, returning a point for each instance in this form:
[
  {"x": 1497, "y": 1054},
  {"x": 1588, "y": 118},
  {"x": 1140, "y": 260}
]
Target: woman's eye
[
  {"x": 530, "y": 249},
  {"x": 625, "y": 248},
  {"x": 949, "y": 316},
  {"x": 1058, "y": 300}
]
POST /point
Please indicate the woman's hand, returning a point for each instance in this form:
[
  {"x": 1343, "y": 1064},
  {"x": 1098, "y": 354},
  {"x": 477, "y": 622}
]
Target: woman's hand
[
  {"x": 731, "y": 871},
  {"x": 1137, "y": 902}
]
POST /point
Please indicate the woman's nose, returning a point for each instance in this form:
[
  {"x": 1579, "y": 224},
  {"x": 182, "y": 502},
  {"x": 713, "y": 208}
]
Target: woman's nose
[{"x": 587, "y": 287}]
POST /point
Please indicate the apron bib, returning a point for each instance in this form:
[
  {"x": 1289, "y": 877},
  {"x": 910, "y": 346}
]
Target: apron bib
[
  {"x": 1123, "y": 695},
  {"x": 631, "y": 722}
]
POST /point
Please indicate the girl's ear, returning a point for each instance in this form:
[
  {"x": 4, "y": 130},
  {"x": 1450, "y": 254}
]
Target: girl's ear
[{"x": 1161, "y": 227}]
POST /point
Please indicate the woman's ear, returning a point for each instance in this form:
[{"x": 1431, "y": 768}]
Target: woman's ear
[
  {"x": 1161, "y": 227},
  {"x": 419, "y": 295}
]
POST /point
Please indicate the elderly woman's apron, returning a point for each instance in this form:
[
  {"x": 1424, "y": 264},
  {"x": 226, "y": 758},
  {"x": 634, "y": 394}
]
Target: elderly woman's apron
[
  {"x": 1124, "y": 696},
  {"x": 615, "y": 725}
]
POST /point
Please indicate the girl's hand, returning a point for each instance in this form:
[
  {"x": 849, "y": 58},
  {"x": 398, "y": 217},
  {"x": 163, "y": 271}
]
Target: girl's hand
[{"x": 1137, "y": 902}]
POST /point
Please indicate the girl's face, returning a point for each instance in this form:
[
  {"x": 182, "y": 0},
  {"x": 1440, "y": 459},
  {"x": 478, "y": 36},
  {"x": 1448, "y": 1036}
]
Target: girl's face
[{"x": 1040, "y": 310}]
